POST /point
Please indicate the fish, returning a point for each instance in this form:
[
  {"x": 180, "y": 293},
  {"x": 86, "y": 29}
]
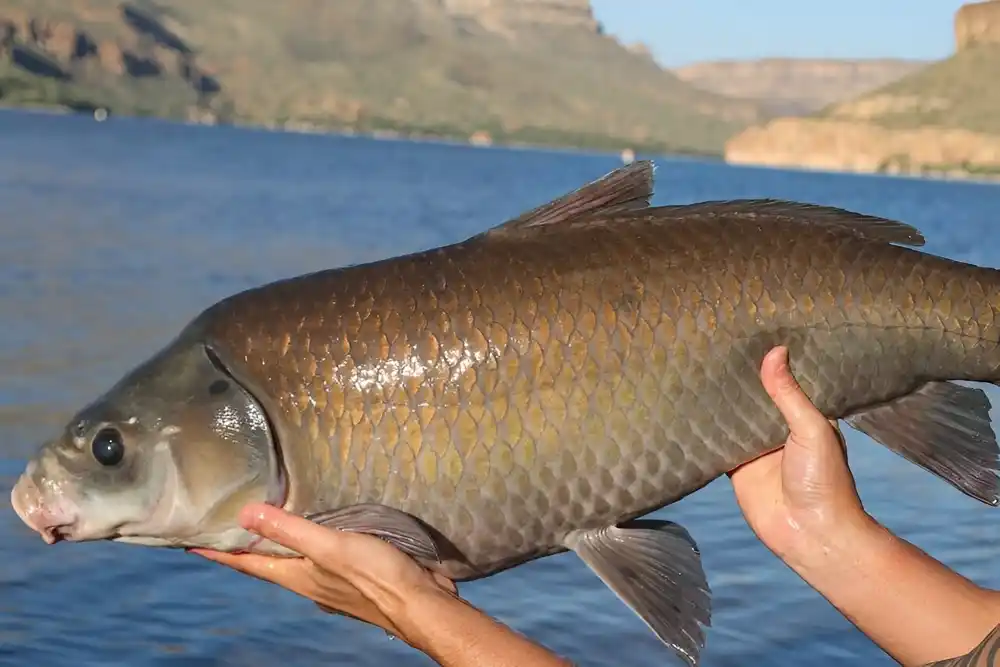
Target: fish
[{"x": 538, "y": 388}]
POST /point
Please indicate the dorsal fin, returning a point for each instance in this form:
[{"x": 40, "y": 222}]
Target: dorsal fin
[
  {"x": 628, "y": 188},
  {"x": 764, "y": 211},
  {"x": 760, "y": 212}
]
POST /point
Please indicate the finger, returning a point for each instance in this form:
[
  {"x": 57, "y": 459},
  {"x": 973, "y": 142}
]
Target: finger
[
  {"x": 289, "y": 573},
  {"x": 756, "y": 469},
  {"x": 807, "y": 424},
  {"x": 263, "y": 567},
  {"x": 445, "y": 583},
  {"x": 294, "y": 532}
]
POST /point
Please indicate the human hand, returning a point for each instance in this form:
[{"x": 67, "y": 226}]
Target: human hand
[
  {"x": 351, "y": 574},
  {"x": 804, "y": 490}
]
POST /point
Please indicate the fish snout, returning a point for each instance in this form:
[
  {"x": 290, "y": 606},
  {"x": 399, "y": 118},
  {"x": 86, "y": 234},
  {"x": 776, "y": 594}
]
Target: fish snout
[{"x": 51, "y": 520}]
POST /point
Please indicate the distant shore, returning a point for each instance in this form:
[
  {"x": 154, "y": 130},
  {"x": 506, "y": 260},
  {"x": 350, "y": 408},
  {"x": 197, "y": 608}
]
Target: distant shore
[
  {"x": 954, "y": 175},
  {"x": 377, "y": 128},
  {"x": 605, "y": 146}
]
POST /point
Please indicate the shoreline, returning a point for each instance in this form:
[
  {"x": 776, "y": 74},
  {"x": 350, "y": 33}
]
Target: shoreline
[
  {"x": 954, "y": 176},
  {"x": 635, "y": 151},
  {"x": 477, "y": 139}
]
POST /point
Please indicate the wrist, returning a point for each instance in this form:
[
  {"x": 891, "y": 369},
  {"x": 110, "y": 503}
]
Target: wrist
[
  {"x": 912, "y": 606},
  {"x": 452, "y": 632},
  {"x": 410, "y": 610},
  {"x": 836, "y": 546}
]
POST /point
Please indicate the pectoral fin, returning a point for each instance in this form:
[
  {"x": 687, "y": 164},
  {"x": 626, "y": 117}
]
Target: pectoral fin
[
  {"x": 395, "y": 527},
  {"x": 654, "y": 567},
  {"x": 944, "y": 428}
]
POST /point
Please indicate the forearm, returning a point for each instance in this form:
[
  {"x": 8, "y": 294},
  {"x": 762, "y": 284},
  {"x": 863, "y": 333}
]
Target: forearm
[
  {"x": 915, "y": 608},
  {"x": 456, "y": 634}
]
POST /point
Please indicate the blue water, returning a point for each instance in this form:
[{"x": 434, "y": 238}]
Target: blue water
[{"x": 113, "y": 235}]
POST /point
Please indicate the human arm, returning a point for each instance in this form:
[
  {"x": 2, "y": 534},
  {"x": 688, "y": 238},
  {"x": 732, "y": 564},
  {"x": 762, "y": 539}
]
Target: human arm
[
  {"x": 365, "y": 578},
  {"x": 802, "y": 503}
]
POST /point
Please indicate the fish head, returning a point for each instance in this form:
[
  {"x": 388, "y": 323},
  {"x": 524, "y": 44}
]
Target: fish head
[{"x": 167, "y": 457}]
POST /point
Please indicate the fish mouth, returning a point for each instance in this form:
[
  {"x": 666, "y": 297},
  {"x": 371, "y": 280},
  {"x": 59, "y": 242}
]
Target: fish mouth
[
  {"x": 53, "y": 534},
  {"x": 54, "y": 522}
]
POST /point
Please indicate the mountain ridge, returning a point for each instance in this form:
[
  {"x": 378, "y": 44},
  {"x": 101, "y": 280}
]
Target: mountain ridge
[
  {"x": 520, "y": 71},
  {"x": 943, "y": 119},
  {"x": 796, "y": 86}
]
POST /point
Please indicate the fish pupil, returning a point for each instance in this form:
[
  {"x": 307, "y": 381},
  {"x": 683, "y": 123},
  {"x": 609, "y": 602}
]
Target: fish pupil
[
  {"x": 218, "y": 387},
  {"x": 108, "y": 448}
]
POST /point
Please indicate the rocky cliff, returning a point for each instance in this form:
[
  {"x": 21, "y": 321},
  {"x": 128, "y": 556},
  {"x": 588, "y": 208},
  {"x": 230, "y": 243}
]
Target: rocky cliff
[
  {"x": 514, "y": 13},
  {"x": 977, "y": 23},
  {"x": 943, "y": 118},
  {"x": 48, "y": 54},
  {"x": 535, "y": 71},
  {"x": 787, "y": 86},
  {"x": 866, "y": 147}
]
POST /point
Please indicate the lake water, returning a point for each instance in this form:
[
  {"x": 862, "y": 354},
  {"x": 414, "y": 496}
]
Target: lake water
[{"x": 113, "y": 235}]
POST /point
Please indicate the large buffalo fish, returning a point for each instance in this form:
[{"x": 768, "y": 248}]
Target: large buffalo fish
[{"x": 538, "y": 388}]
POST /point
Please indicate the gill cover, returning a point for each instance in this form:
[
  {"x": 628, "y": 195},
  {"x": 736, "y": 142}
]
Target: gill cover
[{"x": 221, "y": 441}]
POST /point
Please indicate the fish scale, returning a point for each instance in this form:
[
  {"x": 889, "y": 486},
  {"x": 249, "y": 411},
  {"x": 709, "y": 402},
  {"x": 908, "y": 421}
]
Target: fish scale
[
  {"x": 698, "y": 439},
  {"x": 540, "y": 386}
]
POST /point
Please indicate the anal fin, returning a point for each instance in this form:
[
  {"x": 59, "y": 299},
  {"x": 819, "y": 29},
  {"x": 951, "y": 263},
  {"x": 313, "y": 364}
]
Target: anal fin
[
  {"x": 394, "y": 526},
  {"x": 945, "y": 429},
  {"x": 655, "y": 568}
]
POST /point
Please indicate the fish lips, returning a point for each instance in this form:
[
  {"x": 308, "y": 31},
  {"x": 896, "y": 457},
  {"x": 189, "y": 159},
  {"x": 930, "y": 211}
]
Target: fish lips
[{"x": 52, "y": 520}]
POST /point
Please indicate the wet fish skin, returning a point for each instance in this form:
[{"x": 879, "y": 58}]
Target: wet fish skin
[
  {"x": 513, "y": 391},
  {"x": 517, "y": 393},
  {"x": 540, "y": 386}
]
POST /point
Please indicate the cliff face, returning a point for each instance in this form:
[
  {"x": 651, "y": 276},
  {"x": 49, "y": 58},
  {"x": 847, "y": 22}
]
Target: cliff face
[
  {"x": 536, "y": 71},
  {"x": 977, "y": 23},
  {"x": 795, "y": 86},
  {"x": 561, "y": 13},
  {"x": 865, "y": 147},
  {"x": 944, "y": 117},
  {"x": 60, "y": 53}
]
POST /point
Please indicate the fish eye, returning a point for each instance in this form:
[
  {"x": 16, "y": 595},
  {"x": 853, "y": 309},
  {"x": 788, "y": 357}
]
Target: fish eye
[
  {"x": 218, "y": 387},
  {"x": 107, "y": 447}
]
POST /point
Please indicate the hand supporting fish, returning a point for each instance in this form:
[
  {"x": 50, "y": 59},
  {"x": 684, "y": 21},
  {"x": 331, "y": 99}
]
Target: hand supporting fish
[
  {"x": 398, "y": 529},
  {"x": 358, "y": 577},
  {"x": 538, "y": 388},
  {"x": 345, "y": 576}
]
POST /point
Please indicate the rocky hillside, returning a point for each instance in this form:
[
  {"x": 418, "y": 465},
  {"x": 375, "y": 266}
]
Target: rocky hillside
[
  {"x": 509, "y": 14},
  {"x": 49, "y": 57},
  {"x": 537, "y": 71},
  {"x": 977, "y": 23},
  {"x": 942, "y": 118},
  {"x": 792, "y": 86}
]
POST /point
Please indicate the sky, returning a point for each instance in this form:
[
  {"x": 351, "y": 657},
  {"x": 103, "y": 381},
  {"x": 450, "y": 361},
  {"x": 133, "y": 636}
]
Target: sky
[{"x": 686, "y": 31}]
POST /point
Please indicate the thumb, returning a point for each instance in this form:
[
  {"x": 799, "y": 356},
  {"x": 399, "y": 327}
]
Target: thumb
[
  {"x": 807, "y": 425},
  {"x": 289, "y": 530}
]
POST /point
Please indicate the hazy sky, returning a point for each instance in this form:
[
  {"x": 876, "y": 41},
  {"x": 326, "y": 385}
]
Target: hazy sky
[{"x": 684, "y": 31}]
